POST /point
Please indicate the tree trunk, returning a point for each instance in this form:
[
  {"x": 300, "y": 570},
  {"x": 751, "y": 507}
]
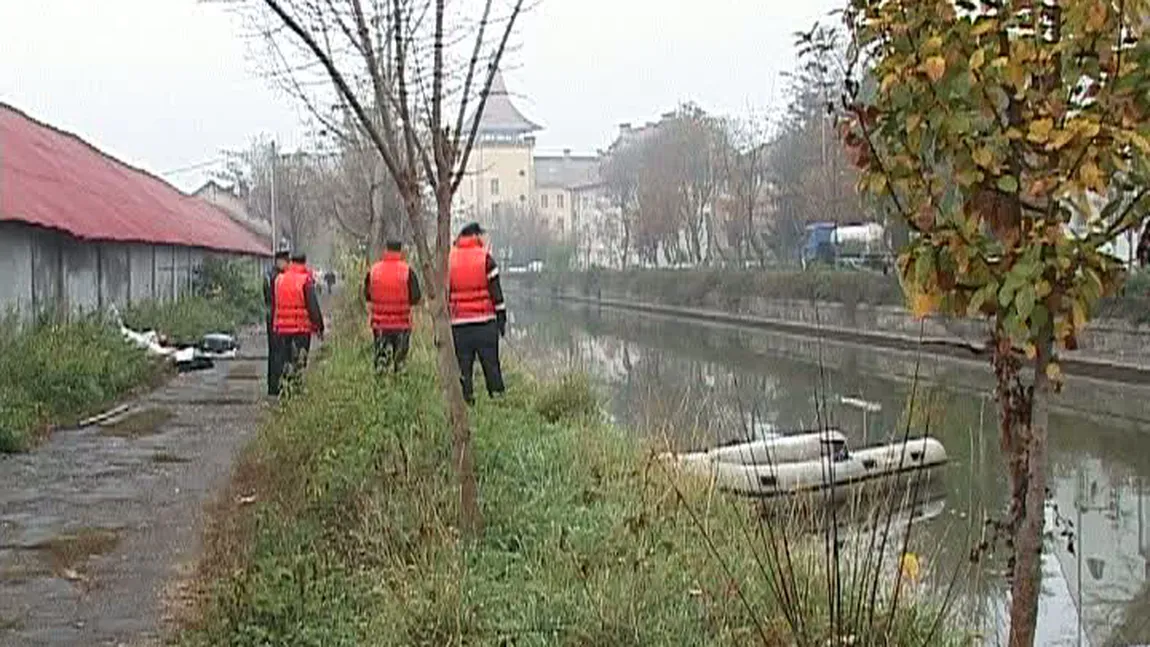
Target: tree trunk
[
  {"x": 434, "y": 274},
  {"x": 1028, "y": 462}
]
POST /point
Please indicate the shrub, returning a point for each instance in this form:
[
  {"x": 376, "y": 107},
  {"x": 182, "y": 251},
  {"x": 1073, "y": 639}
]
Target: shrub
[
  {"x": 53, "y": 374},
  {"x": 570, "y": 398}
]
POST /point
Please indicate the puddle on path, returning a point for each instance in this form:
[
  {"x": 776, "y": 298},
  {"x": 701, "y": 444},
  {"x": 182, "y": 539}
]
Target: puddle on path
[
  {"x": 66, "y": 553},
  {"x": 142, "y": 422}
]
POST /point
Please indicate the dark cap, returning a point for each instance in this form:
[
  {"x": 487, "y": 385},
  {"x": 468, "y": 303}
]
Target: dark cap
[
  {"x": 299, "y": 257},
  {"x": 471, "y": 229},
  {"x": 282, "y": 252},
  {"x": 393, "y": 246}
]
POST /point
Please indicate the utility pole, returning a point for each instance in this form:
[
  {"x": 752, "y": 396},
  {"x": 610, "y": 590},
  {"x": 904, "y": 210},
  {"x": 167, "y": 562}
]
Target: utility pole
[{"x": 275, "y": 160}]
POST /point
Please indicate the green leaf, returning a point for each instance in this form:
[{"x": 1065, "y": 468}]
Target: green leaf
[
  {"x": 980, "y": 296},
  {"x": 1039, "y": 318},
  {"x": 924, "y": 267},
  {"x": 1024, "y": 301},
  {"x": 1008, "y": 184},
  {"x": 1006, "y": 294}
]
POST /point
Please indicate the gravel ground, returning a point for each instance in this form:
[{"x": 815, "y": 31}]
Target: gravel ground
[{"x": 97, "y": 521}]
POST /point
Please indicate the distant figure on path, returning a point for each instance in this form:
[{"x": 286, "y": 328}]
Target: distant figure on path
[
  {"x": 295, "y": 315},
  {"x": 329, "y": 279},
  {"x": 391, "y": 289},
  {"x": 478, "y": 313},
  {"x": 275, "y": 368}
]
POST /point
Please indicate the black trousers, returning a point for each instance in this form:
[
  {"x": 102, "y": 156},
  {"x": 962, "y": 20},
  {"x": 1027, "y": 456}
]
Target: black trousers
[
  {"x": 275, "y": 361},
  {"x": 391, "y": 347},
  {"x": 478, "y": 340},
  {"x": 291, "y": 351}
]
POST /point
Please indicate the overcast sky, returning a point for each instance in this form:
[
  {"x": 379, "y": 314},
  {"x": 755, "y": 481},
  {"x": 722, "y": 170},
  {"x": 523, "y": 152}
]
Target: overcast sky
[{"x": 169, "y": 84}]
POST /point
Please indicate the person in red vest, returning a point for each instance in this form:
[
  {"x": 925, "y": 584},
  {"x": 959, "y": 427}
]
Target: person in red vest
[
  {"x": 391, "y": 289},
  {"x": 295, "y": 315},
  {"x": 478, "y": 313}
]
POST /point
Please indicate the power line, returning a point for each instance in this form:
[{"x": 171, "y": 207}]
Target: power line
[{"x": 193, "y": 167}]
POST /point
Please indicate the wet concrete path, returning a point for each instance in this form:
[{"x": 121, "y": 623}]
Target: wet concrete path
[{"x": 96, "y": 522}]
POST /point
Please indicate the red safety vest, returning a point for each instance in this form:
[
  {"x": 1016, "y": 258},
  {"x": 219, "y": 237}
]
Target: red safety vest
[
  {"x": 470, "y": 301},
  {"x": 390, "y": 297},
  {"x": 291, "y": 316}
]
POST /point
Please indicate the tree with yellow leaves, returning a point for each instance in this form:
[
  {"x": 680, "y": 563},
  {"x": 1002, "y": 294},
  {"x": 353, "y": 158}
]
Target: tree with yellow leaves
[{"x": 1013, "y": 136}]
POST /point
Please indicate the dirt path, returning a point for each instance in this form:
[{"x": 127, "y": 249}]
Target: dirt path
[{"x": 95, "y": 523}]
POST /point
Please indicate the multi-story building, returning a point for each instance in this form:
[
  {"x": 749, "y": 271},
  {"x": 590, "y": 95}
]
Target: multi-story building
[
  {"x": 557, "y": 177},
  {"x": 500, "y": 177}
]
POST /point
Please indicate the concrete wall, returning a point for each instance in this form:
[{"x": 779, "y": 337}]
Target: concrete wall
[
  {"x": 45, "y": 271},
  {"x": 1108, "y": 342},
  {"x": 15, "y": 267}
]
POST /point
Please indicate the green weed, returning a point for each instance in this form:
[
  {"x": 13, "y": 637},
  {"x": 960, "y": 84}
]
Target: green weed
[
  {"x": 588, "y": 539},
  {"x": 55, "y": 373}
]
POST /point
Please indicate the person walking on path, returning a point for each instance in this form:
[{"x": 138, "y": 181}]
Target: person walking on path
[
  {"x": 391, "y": 289},
  {"x": 275, "y": 368},
  {"x": 295, "y": 316},
  {"x": 478, "y": 313}
]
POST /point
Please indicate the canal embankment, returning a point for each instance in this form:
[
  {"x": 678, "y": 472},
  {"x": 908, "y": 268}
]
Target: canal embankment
[
  {"x": 856, "y": 307},
  {"x": 588, "y": 539}
]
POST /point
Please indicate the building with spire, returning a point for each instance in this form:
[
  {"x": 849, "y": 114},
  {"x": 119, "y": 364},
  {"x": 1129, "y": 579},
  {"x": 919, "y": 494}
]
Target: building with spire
[{"x": 500, "y": 179}]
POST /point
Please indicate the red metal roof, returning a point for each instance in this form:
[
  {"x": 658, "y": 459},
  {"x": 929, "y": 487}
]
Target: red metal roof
[{"x": 57, "y": 180}]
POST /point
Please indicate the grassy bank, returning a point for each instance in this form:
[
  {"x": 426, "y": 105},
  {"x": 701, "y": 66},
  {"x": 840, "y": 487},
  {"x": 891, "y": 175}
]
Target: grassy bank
[
  {"x": 588, "y": 541},
  {"x": 54, "y": 373},
  {"x": 728, "y": 288}
]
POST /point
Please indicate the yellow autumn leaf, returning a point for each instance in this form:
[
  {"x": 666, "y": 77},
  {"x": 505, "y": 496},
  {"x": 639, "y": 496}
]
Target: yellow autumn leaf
[
  {"x": 1040, "y": 130},
  {"x": 935, "y": 67},
  {"x": 1140, "y": 142},
  {"x": 977, "y": 59},
  {"x": 983, "y": 26},
  {"x": 913, "y": 121},
  {"x": 1018, "y": 76},
  {"x": 1091, "y": 176},
  {"x": 1088, "y": 128},
  {"x": 983, "y": 157},
  {"x": 923, "y": 304},
  {"x": 1013, "y": 133},
  {"x": 1078, "y": 315},
  {"x": 889, "y": 81},
  {"x": 1043, "y": 289},
  {"x": 878, "y": 183},
  {"x": 1059, "y": 139},
  {"x": 1031, "y": 350},
  {"x": 933, "y": 44},
  {"x": 1054, "y": 372}
]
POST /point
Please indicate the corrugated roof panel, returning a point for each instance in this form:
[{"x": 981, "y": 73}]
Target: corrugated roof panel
[{"x": 57, "y": 180}]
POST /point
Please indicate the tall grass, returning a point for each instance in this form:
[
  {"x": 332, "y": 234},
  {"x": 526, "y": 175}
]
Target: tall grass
[
  {"x": 589, "y": 539},
  {"x": 54, "y": 373}
]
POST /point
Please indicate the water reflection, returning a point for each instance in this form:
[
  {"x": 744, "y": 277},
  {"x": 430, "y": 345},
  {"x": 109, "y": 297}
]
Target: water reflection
[{"x": 697, "y": 385}]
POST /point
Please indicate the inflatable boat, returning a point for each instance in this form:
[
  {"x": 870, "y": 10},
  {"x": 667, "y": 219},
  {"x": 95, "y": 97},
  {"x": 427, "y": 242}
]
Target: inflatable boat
[
  {"x": 834, "y": 467},
  {"x": 803, "y": 446}
]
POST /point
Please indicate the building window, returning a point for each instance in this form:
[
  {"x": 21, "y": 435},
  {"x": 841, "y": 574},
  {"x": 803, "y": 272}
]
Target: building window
[
  {"x": 522, "y": 198},
  {"x": 495, "y": 186},
  {"x": 543, "y": 200},
  {"x": 561, "y": 225},
  {"x": 559, "y": 200}
]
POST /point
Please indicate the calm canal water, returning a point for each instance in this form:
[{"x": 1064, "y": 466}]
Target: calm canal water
[{"x": 698, "y": 384}]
